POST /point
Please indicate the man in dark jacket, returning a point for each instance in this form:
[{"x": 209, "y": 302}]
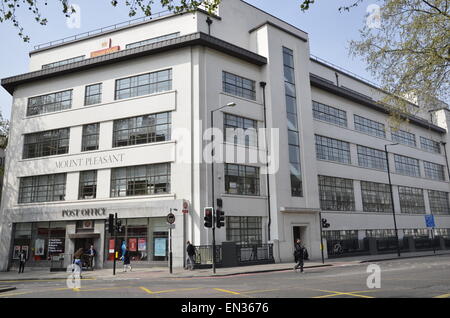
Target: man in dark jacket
[
  {"x": 22, "y": 260},
  {"x": 191, "y": 256},
  {"x": 299, "y": 255}
]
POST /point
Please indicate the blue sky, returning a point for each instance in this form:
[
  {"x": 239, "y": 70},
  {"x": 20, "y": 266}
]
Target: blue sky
[{"x": 328, "y": 29}]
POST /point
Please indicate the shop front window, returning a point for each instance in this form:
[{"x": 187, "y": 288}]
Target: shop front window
[{"x": 22, "y": 240}]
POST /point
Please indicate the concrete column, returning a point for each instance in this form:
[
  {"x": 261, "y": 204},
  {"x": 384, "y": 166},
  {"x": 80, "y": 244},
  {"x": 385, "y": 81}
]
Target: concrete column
[
  {"x": 358, "y": 195},
  {"x": 99, "y": 244},
  {"x": 76, "y": 134},
  {"x": 5, "y": 244},
  {"x": 69, "y": 248},
  {"x": 72, "y": 185}
]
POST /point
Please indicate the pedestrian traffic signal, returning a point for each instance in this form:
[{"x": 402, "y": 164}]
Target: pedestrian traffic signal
[
  {"x": 119, "y": 227},
  {"x": 325, "y": 224},
  {"x": 220, "y": 219},
  {"x": 219, "y": 202},
  {"x": 208, "y": 217},
  {"x": 111, "y": 224}
]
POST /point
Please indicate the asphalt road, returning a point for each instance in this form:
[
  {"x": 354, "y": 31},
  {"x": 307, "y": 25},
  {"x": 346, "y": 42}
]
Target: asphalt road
[{"x": 420, "y": 277}]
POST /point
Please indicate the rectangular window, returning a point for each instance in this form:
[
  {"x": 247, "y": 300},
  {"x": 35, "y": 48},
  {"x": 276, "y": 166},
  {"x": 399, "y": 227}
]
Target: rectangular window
[
  {"x": 434, "y": 171},
  {"x": 90, "y": 137},
  {"x": 152, "y": 40},
  {"x": 430, "y": 145},
  {"x": 49, "y": 103},
  {"x": 376, "y": 197},
  {"x": 238, "y": 86},
  {"x": 240, "y": 130},
  {"x": 144, "y": 84},
  {"x": 244, "y": 229},
  {"x": 88, "y": 185},
  {"x": 64, "y": 62},
  {"x": 93, "y": 94},
  {"x": 371, "y": 158},
  {"x": 140, "y": 180},
  {"x": 370, "y": 127},
  {"x": 329, "y": 114},
  {"x": 411, "y": 200},
  {"x": 407, "y": 166},
  {"x": 241, "y": 180},
  {"x": 45, "y": 188},
  {"x": 332, "y": 149},
  {"x": 46, "y": 143},
  {"x": 403, "y": 137},
  {"x": 292, "y": 119},
  {"x": 336, "y": 194},
  {"x": 142, "y": 129},
  {"x": 439, "y": 203}
]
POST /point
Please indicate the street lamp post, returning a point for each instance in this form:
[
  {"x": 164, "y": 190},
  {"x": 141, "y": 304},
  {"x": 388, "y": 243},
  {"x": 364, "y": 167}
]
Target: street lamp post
[
  {"x": 231, "y": 104},
  {"x": 392, "y": 196}
]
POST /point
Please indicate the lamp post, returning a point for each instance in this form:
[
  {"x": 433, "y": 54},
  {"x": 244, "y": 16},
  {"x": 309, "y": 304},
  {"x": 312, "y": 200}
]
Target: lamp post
[
  {"x": 392, "y": 195},
  {"x": 231, "y": 104}
]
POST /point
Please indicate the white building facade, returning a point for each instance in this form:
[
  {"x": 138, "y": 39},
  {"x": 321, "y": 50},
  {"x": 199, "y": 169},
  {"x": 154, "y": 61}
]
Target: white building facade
[{"x": 117, "y": 122}]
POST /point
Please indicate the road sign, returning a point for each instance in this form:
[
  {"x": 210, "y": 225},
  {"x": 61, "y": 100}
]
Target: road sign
[
  {"x": 171, "y": 226},
  {"x": 170, "y": 218},
  {"x": 429, "y": 220},
  {"x": 185, "y": 207}
]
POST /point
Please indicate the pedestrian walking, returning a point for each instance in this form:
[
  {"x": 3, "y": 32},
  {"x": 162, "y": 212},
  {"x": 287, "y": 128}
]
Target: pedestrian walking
[
  {"x": 299, "y": 255},
  {"x": 92, "y": 253},
  {"x": 190, "y": 262},
  {"x": 126, "y": 259},
  {"x": 77, "y": 257},
  {"x": 22, "y": 260}
]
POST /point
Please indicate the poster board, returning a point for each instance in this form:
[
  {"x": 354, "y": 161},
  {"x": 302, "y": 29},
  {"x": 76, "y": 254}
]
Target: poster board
[{"x": 160, "y": 247}]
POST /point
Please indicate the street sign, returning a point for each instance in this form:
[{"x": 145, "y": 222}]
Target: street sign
[
  {"x": 170, "y": 218},
  {"x": 185, "y": 207},
  {"x": 429, "y": 220},
  {"x": 171, "y": 226}
]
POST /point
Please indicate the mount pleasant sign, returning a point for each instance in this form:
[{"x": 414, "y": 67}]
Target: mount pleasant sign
[
  {"x": 90, "y": 161},
  {"x": 84, "y": 212}
]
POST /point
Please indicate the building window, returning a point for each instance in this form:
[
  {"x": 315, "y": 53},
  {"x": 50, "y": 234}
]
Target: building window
[
  {"x": 411, "y": 200},
  {"x": 371, "y": 158},
  {"x": 142, "y": 130},
  {"x": 49, "y": 103},
  {"x": 439, "y": 203},
  {"x": 403, "y": 137},
  {"x": 332, "y": 149},
  {"x": 93, "y": 94},
  {"x": 238, "y": 86},
  {"x": 140, "y": 180},
  {"x": 329, "y": 114},
  {"x": 292, "y": 118},
  {"x": 380, "y": 234},
  {"x": 336, "y": 194},
  {"x": 244, "y": 229},
  {"x": 241, "y": 180},
  {"x": 145, "y": 84},
  {"x": 430, "y": 145},
  {"x": 434, "y": 171},
  {"x": 64, "y": 62},
  {"x": 152, "y": 40},
  {"x": 376, "y": 197},
  {"x": 47, "y": 143},
  {"x": 45, "y": 188},
  {"x": 370, "y": 127},
  {"x": 416, "y": 233},
  {"x": 240, "y": 130},
  {"x": 90, "y": 137},
  {"x": 88, "y": 185},
  {"x": 407, "y": 166}
]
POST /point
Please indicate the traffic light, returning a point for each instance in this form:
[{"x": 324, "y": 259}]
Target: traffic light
[
  {"x": 120, "y": 228},
  {"x": 208, "y": 217},
  {"x": 220, "y": 219},
  {"x": 111, "y": 224},
  {"x": 219, "y": 202},
  {"x": 325, "y": 224}
]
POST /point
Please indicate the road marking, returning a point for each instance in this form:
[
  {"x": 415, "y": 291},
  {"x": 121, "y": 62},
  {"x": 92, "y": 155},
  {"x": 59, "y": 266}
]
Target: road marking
[
  {"x": 442, "y": 296},
  {"x": 40, "y": 280},
  {"x": 99, "y": 289},
  {"x": 335, "y": 293},
  {"x": 148, "y": 291},
  {"x": 227, "y": 291},
  {"x": 259, "y": 291},
  {"x": 14, "y": 294}
]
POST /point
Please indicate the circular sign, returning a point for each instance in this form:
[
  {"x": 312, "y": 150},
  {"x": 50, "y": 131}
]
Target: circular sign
[
  {"x": 170, "y": 218},
  {"x": 185, "y": 205}
]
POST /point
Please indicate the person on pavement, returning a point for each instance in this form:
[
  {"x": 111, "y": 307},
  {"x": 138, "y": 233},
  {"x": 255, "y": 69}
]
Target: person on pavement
[
  {"x": 299, "y": 255},
  {"x": 190, "y": 262},
  {"x": 91, "y": 253},
  {"x": 77, "y": 257},
  {"x": 126, "y": 258},
  {"x": 22, "y": 260}
]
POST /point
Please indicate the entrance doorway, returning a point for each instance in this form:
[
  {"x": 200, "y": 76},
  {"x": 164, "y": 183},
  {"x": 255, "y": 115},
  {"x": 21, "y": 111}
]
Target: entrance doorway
[
  {"x": 85, "y": 244},
  {"x": 299, "y": 233}
]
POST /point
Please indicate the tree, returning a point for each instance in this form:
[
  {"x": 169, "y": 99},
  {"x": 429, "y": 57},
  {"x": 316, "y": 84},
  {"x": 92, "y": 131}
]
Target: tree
[
  {"x": 9, "y": 9},
  {"x": 4, "y": 132}
]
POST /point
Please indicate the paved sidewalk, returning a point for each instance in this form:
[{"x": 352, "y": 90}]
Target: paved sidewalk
[{"x": 163, "y": 272}]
